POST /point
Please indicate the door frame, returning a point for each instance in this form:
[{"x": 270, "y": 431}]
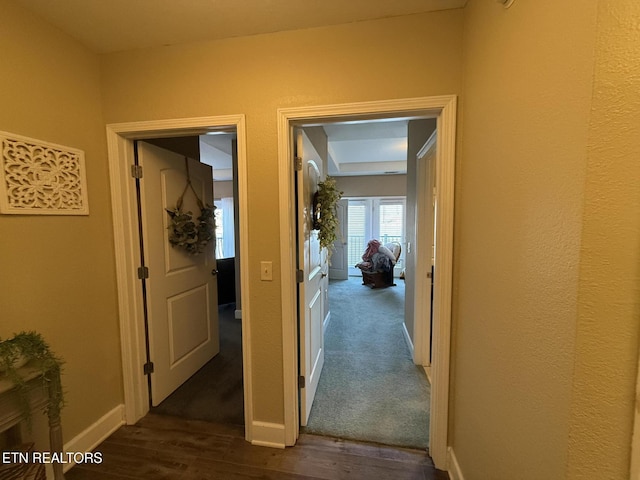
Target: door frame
[
  {"x": 120, "y": 138},
  {"x": 443, "y": 108}
]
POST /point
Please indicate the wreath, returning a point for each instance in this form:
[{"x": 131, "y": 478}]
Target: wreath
[{"x": 185, "y": 232}]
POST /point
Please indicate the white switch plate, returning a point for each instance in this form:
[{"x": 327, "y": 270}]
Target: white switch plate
[{"x": 266, "y": 271}]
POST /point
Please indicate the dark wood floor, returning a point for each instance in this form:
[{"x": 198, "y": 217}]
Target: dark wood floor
[{"x": 163, "y": 447}]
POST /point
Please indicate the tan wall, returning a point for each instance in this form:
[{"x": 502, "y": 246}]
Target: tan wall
[
  {"x": 390, "y": 185},
  {"x": 256, "y": 76},
  {"x": 187, "y": 146},
  {"x": 223, "y": 189},
  {"x": 609, "y": 300},
  {"x": 58, "y": 272},
  {"x": 526, "y": 102}
]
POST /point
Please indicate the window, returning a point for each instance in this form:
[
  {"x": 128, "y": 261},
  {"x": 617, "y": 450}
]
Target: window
[
  {"x": 225, "y": 240},
  {"x": 382, "y": 218},
  {"x": 357, "y": 229}
]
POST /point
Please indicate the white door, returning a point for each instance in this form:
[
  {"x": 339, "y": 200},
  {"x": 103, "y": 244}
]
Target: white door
[
  {"x": 312, "y": 261},
  {"x": 181, "y": 290},
  {"x": 339, "y": 268},
  {"x": 425, "y": 252}
]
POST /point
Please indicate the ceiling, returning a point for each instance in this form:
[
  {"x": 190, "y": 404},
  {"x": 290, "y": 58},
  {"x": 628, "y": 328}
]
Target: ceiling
[
  {"x": 373, "y": 147},
  {"x": 356, "y": 148},
  {"x": 215, "y": 150},
  {"x": 117, "y": 25},
  {"x": 367, "y": 148}
]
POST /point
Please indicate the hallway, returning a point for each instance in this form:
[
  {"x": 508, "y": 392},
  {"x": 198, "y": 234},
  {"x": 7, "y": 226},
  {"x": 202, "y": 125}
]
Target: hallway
[{"x": 163, "y": 447}]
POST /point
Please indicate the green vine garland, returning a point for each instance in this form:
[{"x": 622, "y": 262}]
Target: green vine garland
[
  {"x": 185, "y": 233},
  {"x": 31, "y": 347},
  {"x": 325, "y": 218}
]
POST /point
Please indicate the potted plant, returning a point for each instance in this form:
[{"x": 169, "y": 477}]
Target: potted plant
[{"x": 31, "y": 349}]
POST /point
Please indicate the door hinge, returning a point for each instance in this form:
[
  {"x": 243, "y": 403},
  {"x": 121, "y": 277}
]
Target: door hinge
[
  {"x": 298, "y": 163},
  {"x": 136, "y": 171},
  {"x": 299, "y": 276},
  {"x": 301, "y": 382},
  {"x": 148, "y": 368},
  {"x": 143, "y": 272}
]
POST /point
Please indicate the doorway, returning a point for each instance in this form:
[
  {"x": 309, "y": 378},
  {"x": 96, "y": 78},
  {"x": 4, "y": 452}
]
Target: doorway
[
  {"x": 367, "y": 346},
  {"x": 120, "y": 139},
  {"x": 443, "y": 109},
  {"x": 212, "y": 389}
]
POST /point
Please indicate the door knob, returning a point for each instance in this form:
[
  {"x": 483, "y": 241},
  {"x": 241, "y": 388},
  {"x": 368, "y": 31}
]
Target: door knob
[{"x": 214, "y": 272}]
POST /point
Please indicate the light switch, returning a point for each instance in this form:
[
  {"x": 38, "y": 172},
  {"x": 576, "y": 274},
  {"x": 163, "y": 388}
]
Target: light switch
[{"x": 266, "y": 271}]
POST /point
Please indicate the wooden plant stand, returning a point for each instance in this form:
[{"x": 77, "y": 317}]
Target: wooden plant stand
[{"x": 38, "y": 394}]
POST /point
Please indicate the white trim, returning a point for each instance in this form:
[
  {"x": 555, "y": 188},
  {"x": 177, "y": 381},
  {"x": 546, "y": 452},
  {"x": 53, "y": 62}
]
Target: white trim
[
  {"x": 428, "y": 145},
  {"x": 326, "y": 322},
  {"x": 95, "y": 434},
  {"x": 120, "y": 138},
  {"x": 288, "y": 286},
  {"x": 454, "y": 467},
  {"x": 427, "y": 372},
  {"x": 407, "y": 338},
  {"x": 422, "y": 309},
  {"x": 444, "y": 109},
  {"x": 267, "y": 434},
  {"x": 443, "y": 283}
]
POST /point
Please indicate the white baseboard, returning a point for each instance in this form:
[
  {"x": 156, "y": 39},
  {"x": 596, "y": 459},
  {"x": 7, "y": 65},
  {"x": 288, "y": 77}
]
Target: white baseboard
[
  {"x": 407, "y": 337},
  {"x": 427, "y": 371},
  {"x": 325, "y": 324},
  {"x": 95, "y": 434},
  {"x": 454, "y": 468},
  {"x": 238, "y": 314},
  {"x": 268, "y": 434}
]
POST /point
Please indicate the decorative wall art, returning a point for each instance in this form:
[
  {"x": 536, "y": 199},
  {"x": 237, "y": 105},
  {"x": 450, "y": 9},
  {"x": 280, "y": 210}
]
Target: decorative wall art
[{"x": 40, "y": 178}]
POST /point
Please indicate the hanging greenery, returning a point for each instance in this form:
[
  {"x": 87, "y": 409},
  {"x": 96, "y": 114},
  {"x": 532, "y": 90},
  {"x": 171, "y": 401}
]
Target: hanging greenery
[
  {"x": 325, "y": 218},
  {"x": 30, "y": 348},
  {"x": 186, "y": 233}
]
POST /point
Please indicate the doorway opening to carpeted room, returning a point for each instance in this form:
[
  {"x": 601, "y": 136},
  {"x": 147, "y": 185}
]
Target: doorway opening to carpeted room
[{"x": 362, "y": 381}]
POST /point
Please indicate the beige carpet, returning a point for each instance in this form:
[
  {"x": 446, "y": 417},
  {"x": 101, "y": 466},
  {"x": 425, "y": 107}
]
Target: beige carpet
[{"x": 370, "y": 388}]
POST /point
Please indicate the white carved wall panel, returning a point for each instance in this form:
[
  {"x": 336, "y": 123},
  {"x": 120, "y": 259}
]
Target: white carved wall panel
[{"x": 40, "y": 178}]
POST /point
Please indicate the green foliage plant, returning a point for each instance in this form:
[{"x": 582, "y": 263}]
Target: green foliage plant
[
  {"x": 185, "y": 233},
  {"x": 31, "y": 347},
  {"x": 325, "y": 216}
]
